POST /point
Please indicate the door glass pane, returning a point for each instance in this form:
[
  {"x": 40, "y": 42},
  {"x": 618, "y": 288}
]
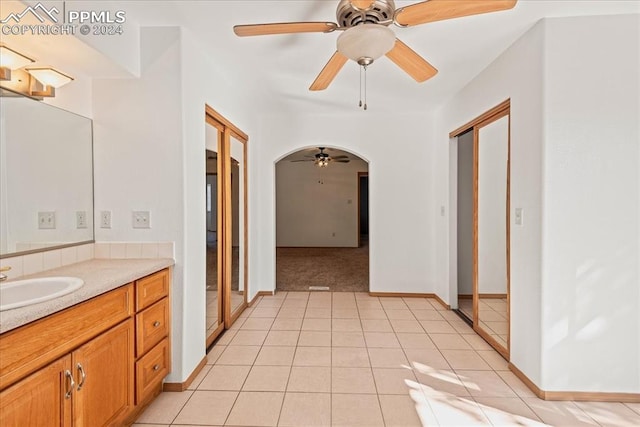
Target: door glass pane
[
  {"x": 213, "y": 244},
  {"x": 237, "y": 224}
]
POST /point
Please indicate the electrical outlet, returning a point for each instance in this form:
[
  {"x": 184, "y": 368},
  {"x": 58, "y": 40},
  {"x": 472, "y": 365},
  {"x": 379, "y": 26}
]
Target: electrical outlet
[
  {"x": 81, "y": 219},
  {"x": 141, "y": 219},
  {"x": 46, "y": 220},
  {"x": 105, "y": 219}
]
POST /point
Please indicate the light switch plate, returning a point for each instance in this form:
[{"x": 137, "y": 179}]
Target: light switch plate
[
  {"x": 46, "y": 220},
  {"x": 141, "y": 219},
  {"x": 519, "y": 216}
]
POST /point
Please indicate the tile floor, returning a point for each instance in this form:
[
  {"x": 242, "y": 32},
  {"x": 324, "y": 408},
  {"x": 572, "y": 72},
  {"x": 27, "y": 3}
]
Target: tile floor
[
  {"x": 348, "y": 359},
  {"x": 492, "y": 315}
]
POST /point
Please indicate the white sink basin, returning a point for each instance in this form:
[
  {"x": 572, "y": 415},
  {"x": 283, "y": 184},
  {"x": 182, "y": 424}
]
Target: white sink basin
[{"x": 31, "y": 291}]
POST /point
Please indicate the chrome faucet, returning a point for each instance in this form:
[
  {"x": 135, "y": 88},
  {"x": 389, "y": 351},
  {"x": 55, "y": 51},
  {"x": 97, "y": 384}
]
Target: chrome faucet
[{"x": 3, "y": 276}]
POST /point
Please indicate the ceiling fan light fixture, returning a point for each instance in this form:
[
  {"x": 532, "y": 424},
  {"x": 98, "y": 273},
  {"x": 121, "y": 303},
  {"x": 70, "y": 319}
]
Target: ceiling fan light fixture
[{"x": 366, "y": 42}]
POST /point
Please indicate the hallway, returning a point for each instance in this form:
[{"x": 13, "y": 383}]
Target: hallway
[{"x": 320, "y": 359}]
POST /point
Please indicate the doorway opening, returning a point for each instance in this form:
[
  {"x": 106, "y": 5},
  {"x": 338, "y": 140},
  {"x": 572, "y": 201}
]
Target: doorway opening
[{"x": 322, "y": 221}]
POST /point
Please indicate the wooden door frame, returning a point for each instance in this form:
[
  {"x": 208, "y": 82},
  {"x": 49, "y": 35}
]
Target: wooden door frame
[
  {"x": 360, "y": 175},
  {"x": 499, "y": 111}
]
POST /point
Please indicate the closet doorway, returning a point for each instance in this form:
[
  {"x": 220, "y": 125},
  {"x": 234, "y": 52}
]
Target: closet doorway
[
  {"x": 226, "y": 223},
  {"x": 483, "y": 224}
]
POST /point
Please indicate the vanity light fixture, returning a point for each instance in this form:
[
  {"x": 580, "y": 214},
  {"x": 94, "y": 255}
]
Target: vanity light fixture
[
  {"x": 11, "y": 60},
  {"x": 49, "y": 76}
]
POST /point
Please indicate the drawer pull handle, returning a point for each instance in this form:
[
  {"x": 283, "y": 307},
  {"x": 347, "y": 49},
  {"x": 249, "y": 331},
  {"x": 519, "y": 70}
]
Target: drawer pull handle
[
  {"x": 71, "y": 386},
  {"x": 156, "y": 324},
  {"x": 156, "y": 367},
  {"x": 83, "y": 376}
]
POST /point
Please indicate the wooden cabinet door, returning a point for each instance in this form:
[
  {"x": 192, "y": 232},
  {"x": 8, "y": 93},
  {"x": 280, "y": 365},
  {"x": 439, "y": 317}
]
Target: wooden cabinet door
[
  {"x": 103, "y": 369},
  {"x": 39, "y": 399}
]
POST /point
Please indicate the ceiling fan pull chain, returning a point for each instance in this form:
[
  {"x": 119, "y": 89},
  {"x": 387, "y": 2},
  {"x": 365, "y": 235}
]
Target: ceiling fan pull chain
[
  {"x": 360, "y": 104},
  {"x": 365, "y": 88}
]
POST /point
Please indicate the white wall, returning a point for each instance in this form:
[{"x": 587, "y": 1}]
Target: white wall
[
  {"x": 591, "y": 282},
  {"x": 464, "y": 181},
  {"x": 396, "y": 147},
  {"x": 493, "y": 149},
  {"x": 516, "y": 74},
  {"x": 315, "y": 206}
]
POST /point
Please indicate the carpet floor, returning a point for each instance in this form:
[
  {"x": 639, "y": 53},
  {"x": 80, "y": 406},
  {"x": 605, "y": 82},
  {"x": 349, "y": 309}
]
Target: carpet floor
[{"x": 341, "y": 269}]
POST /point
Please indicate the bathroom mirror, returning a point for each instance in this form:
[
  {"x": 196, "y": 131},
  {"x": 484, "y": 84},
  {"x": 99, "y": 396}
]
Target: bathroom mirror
[{"x": 46, "y": 176}]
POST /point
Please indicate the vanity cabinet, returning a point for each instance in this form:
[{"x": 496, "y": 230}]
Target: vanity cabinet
[{"x": 94, "y": 364}]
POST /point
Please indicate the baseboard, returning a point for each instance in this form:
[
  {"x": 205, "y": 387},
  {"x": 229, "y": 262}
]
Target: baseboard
[
  {"x": 410, "y": 295},
  {"x": 581, "y": 396},
  {"x": 465, "y": 296},
  {"x": 180, "y": 387},
  {"x": 259, "y": 294},
  {"x": 486, "y": 296}
]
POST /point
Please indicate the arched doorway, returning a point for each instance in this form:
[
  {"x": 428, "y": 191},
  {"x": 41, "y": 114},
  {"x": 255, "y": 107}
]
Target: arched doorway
[{"x": 322, "y": 221}]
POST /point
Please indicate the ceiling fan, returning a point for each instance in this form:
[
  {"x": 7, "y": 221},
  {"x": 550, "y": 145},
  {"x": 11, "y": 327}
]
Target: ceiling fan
[
  {"x": 322, "y": 159},
  {"x": 366, "y": 35}
]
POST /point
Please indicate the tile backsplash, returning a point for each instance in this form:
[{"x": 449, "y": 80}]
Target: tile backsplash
[{"x": 35, "y": 263}]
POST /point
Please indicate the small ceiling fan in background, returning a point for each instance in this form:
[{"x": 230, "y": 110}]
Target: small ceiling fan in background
[
  {"x": 366, "y": 36},
  {"x": 322, "y": 159}
]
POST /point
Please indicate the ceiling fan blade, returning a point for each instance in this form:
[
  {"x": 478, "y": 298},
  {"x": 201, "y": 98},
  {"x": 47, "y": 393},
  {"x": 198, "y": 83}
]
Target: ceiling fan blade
[
  {"x": 362, "y": 4},
  {"x": 284, "y": 28},
  {"x": 438, "y": 10},
  {"x": 329, "y": 72},
  {"x": 310, "y": 160},
  {"x": 412, "y": 63},
  {"x": 341, "y": 161},
  {"x": 339, "y": 157}
]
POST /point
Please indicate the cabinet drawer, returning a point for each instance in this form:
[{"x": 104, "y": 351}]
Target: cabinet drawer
[
  {"x": 152, "y": 325},
  {"x": 151, "y": 288},
  {"x": 151, "y": 369}
]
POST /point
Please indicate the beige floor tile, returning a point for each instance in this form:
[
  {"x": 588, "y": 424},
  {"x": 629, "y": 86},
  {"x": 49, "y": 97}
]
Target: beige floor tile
[
  {"x": 559, "y": 413},
  {"x": 256, "y": 409},
  {"x": 634, "y": 407},
  {"x": 239, "y": 355},
  {"x": 291, "y": 313},
  {"x": 275, "y": 356},
  {"x": 346, "y": 325},
  {"x": 376, "y": 325},
  {"x": 294, "y": 304},
  {"x": 226, "y": 337},
  {"x": 392, "y": 303},
  {"x": 369, "y": 305},
  {"x": 455, "y": 411},
  {"x": 436, "y": 305},
  {"x": 387, "y": 358},
  {"x": 421, "y": 340},
  {"x": 381, "y": 339},
  {"x": 611, "y": 414},
  {"x": 215, "y": 353},
  {"x": 315, "y": 339},
  {"x": 494, "y": 359},
  {"x": 465, "y": 359},
  {"x": 430, "y": 358},
  {"x": 427, "y": 314},
  {"x": 267, "y": 378},
  {"x": 150, "y": 425},
  {"x": 318, "y": 313},
  {"x": 400, "y": 315},
  {"x": 316, "y": 325},
  {"x": 372, "y": 313},
  {"x": 270, "y": 302},
  {"x": 312, "y": 356},
  {"x": 344, "y": 313},
  {"x": 349, "y": 357},
  {"x": 516, "y": 385},
  {"x": 450, "y": 342},
  {"x": 310, "y": 379},
  {"x": 298, "y": 295},
  {"x": 347, "y": 339},
  {"x": 198, "y": 379},
  {"x": 394, "y": 381},
  {"x": 352, "y": 380},
  {"x": 476, "y": 342},
  {"x": 225, "y": 378},
  {"x": 400, "y": 325},
  {"x": 485, "y": 384},
  {"x": 500, "y": 327},
  {"x": 462, "y": 327},
  {"x": 207, "y": 407},
  {"x": 440, "y": 382},
  {"x": 306, "y": 409},
  {"x": 258, "y": 323},
  {"x": 508, "y": 411},
  {"x": 286, "y": 324},
  {"x": 400, "y": 411},
  {"x": 492, "y": 316},
  {"x": 249, "y": 338},
  {"x": 282, "y": 338},
  {"x": 437, "y": 327},
  {"x": 319, "y": 304},
  {"x": 356, "y": 410},
  {"x": 265, "y": 312},
  {"x": 417, "y": 303},
  {"x": 165, "y": 408}
]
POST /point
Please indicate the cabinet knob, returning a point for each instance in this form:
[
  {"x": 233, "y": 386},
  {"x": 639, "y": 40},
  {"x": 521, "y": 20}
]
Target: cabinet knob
[
  {"x": 156, "y": 324},
  {"x": 156, "y": 367}
]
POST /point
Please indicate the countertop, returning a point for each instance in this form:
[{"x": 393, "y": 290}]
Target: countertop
[{"x": 99, "y": 275}]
